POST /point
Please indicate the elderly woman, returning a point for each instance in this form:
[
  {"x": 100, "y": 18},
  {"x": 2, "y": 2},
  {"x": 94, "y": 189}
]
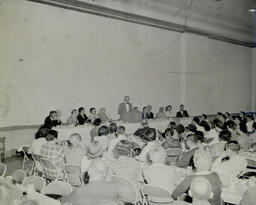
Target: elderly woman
[
  {"x": 202, "y": 161},
  {"x": 102, "y": 115}
]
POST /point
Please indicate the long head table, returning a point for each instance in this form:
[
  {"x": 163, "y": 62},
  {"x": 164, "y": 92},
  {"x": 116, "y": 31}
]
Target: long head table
[{"x": 130, "y": 128}]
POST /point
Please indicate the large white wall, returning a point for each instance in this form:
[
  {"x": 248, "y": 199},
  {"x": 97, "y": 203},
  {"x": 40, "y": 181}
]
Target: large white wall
[{"x": 54, "y": 58}]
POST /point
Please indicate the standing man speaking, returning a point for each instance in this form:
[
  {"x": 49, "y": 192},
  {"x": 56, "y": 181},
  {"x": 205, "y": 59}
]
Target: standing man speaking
[{"x": 124, "y": 109}]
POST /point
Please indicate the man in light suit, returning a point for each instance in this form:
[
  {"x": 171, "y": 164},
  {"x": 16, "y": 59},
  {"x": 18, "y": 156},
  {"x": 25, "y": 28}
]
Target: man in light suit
[{"x": 124, "y": 107}]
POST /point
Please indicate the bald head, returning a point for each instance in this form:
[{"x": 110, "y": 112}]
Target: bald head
[{"x": 200, "y": 189}]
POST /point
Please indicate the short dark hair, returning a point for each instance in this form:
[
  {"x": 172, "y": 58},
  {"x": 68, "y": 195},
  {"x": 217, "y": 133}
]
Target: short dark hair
[
  {"x": 205, "y": 125},
  {"x": 230, "y": 124},
  {"x": 149, "y": 135},
  {"x": 225, "y": 135},
  {"x": 97, "y": 122},
  {"x": 51, "y": 135},
  {"x": 80, "y": 109},
  {"x": 72, "y": 112},
  {"x": 191, "y": 128},
  {"x": 112, "y": 127},
  {"x": 92, "y": 108},
  {"x": 52, "y": 112},
  {"x": 196, "y": 119},
  {"x": 41, "y": 133},
  {"x": 168, "y": 130},
  {"x": 199, "y": 135},
  {"x": 205, "y": 116},
  {"x": 180, "y": 128},
  {"x": 103, "y": 130}
]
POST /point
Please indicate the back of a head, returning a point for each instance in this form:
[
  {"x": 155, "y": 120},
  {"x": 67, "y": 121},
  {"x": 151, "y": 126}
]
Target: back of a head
[
  {"x": 51, "y": 135},
  {"x": 200, "y": 189},
  {"x": 120, "y": 130},
  {"x": 97, "y": 122},
  {"x": 103, "y": 131},
  {"x": 225, "y": 135},
  {"x": 202, "y": 160},
  {"x": 97, "y": 169},
  {"x": 157, "y": 155}
]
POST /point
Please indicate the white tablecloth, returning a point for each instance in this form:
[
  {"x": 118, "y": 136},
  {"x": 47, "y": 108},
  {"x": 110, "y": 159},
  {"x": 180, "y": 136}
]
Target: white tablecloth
[{"x": 84, "y": 130}]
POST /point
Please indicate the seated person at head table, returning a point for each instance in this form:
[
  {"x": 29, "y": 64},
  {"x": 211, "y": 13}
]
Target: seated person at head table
[
  {"x": 92, "y": 115},
  {"x": 161, "y": 114},
  {"x": 202, "y": 162},
  {"x": 54, "y": 152},
  {"x": 200, "y": 190},
  {"x": 168, "y": 111},
  {"x": 97, "y": 190},
  {"x": 75, "y": 151},
  {"x": 102, "y": 115},
  {"x": 124, "y": 107},
  {"x": 72, "y": 120},
  {"x": 81, "y": 117},
  {"x": 182, "y": 112},
  {"x": 158, "y": 173},
  {"x": 145, "y": 113},
  {"x": 229, "y": 163},
  {"x": 150, "y": 113},
  {"x": 52, "y": 120}
]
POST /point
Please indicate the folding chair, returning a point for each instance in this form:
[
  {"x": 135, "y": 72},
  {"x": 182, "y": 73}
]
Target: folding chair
[
  {"x": 73, "y": 174},
  {"x": 251, "y": 164},
  {"x": 3, "y": 168},
  {"x": 51, "y": 172},
  {"x": 155, "y": 195},
  {"x": 38, "y": 182},
  {"x": 58, "y": 189},
  {"x": 18, "y": 176},
  {"x": 27, "y": 164},
  {"x": 127, "y": 187},
  {"x": 38, "y": 167}
]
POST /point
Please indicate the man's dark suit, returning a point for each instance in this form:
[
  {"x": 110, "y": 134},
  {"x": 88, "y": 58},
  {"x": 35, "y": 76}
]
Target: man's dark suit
[
  {"x": 48, "y": 122},
  {"x": 184, "y": 114},
  {"x": 150, "y": 115},
  {"x": 82, "y": 119}
]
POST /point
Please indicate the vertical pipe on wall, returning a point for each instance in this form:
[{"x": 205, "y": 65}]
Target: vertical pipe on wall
[{"x": 254, "y": 68}]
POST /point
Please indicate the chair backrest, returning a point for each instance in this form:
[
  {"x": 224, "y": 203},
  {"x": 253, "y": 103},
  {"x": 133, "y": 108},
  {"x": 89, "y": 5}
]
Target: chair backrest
[
  {"x": 58, "y": 188},
  {"x": 49, "y": 166},
  {"x": 38, "y": 182},
  {"x": 73, "y": 174},
  {"x": 155, "y": 194},
  {"x": 28, "y": 163},
  {"x": 18, "y": 176},
  {"x": 37, "y": 160},
  {"x": 251, "y": 163},
  {"x": 3, "y": 168},
  {"x": 132, "y": 194}
]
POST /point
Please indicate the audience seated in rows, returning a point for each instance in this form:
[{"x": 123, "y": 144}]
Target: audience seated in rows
[
  {"x": 97, "y": 189},
  {"x": 202, "y": 162}
]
